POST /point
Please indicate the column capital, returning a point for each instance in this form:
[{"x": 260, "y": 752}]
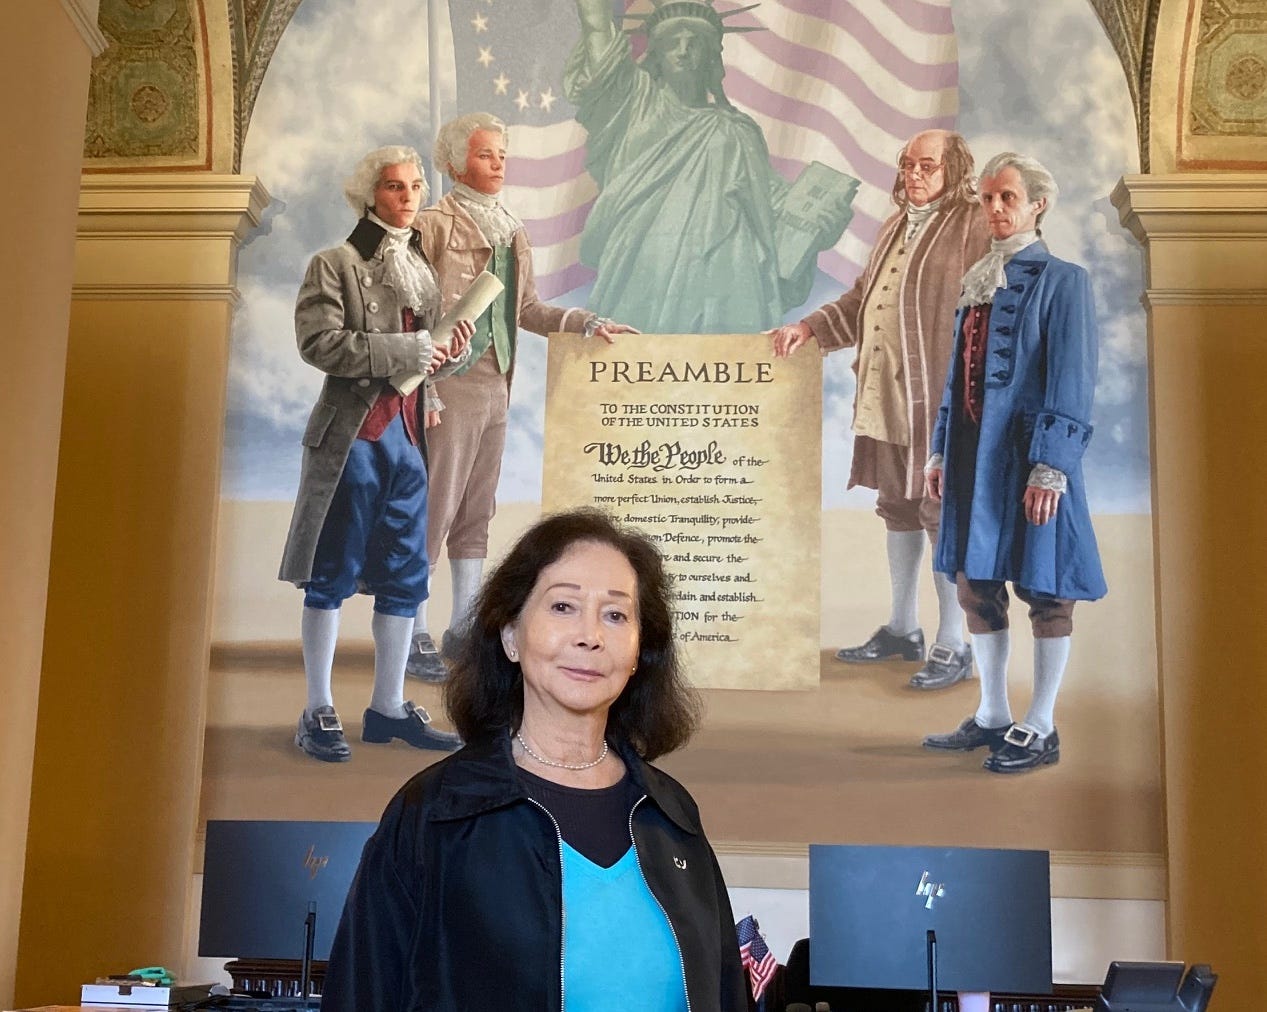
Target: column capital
[
  {"x": 140, "y": 203},
  {"x": 1193, "y": 205},
  {"x": 1206, "y": 234},
  {"x": 163, "y": 235}
]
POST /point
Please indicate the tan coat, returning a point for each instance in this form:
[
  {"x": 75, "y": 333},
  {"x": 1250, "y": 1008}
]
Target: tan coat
[
  {"x": 456, "y": 247},
  {"x": 465, "y": 450},
  {"x": 948, "y": 244}
]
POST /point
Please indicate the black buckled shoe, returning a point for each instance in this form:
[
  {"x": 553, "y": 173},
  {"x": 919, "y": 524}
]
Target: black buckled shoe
[
  {"x": 943, "y": 668},
  {"x": 424, "y": 660},
  {"x": 1024, "y": 749},
  {"x": 320, "y": 734},
  {"x": 413, "y": 729},
  {"x": 884, "y": 645},
  {"x": 968, "y": 736}
]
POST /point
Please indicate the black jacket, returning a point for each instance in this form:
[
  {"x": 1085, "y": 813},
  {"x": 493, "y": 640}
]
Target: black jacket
[{"x": 457, "y": 904}]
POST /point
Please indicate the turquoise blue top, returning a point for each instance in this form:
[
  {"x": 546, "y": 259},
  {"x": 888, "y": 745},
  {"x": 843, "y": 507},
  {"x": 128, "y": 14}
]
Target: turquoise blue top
[{"x": 618, "y": 948}]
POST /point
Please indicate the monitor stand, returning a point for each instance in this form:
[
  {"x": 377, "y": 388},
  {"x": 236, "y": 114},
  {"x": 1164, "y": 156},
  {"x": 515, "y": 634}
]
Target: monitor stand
[
  {"x": 930, "y": 940},
  {"x": 305, "y": 969}
]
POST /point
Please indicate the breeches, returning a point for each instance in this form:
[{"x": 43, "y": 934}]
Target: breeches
[
  {"x": 898, "y": 512},
  {"x": 985, "y": 604},
  {"x": 374, "y": 535},
  {"x": 465, "y": 457}
]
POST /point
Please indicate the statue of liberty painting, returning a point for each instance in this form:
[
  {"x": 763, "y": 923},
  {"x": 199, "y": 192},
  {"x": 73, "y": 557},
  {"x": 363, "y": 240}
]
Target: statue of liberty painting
[{"x": 693, "y": 231}]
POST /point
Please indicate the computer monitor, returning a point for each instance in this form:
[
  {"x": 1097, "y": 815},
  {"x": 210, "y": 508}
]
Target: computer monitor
[
  {"x": 870, "y": 909},
  {"x": 1156, "y": 987},
  {"x": 259, "y": 878}
]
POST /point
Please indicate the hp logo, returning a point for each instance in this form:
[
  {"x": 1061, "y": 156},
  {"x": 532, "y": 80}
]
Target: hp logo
[{"x": 930, "y": 889}]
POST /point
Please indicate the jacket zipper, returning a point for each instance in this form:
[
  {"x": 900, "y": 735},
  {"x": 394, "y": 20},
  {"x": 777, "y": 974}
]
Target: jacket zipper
[
  {"x": 668, "y": 920},
  {"x": 563, "y": 914}
]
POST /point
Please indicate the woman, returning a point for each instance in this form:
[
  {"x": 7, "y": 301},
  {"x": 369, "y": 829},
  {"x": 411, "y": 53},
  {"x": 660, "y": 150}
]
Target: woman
[{"x": 567, "y": 684}]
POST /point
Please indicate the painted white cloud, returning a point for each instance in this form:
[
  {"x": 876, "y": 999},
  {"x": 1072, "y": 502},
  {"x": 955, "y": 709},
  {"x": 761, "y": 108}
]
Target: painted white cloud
[
  {"x": 1120, "y": 361},
  {"x": 267, "y": 377},
  {"x": 347, "y": 77}
]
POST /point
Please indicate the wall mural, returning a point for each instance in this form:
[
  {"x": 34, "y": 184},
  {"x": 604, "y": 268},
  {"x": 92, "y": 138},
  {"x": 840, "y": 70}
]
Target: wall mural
[{"x": 738, "y": 176}]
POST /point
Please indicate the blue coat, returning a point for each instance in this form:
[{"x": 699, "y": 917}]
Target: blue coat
[{"x": 1040, "y": 372}]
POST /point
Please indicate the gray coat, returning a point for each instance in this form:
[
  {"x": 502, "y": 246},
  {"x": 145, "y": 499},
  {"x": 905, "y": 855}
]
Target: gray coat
[{"x": 347, "y": 324}]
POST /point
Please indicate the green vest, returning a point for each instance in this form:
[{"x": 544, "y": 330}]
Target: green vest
[{"x": 497, "y": 324}]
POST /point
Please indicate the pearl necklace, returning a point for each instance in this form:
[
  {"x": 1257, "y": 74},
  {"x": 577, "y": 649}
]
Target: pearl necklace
[{"x": 562, "y": 766}]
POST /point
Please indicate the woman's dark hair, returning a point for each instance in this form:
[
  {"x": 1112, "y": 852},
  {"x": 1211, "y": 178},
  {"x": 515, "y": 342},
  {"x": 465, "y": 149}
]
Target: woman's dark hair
[{"x": 657, "y": 712}]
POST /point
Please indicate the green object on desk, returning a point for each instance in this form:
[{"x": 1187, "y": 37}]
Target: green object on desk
[{"x": 159, "y": 975}]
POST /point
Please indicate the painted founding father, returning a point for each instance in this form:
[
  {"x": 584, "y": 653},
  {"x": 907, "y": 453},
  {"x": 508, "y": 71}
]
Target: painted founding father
[
  {"x": 693, "y": 232},
  {"x": 468, "y": 231},
  {"x": 900, "y": 316},
  {"x": 1006, "y": 462},
  {"x": 363, "y": 317}
]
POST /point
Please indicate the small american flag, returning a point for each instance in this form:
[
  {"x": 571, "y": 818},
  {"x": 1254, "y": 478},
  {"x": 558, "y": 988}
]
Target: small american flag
[{"x": 756, "y": 955}]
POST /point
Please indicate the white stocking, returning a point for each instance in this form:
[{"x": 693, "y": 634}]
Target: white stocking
[
  {"x": 392, "y": 636},
  {"x": 905, "y": 549},
  {"x": 420, "y": 620},
  {"x": 991, "y": 651},
  {"x": 949, "y": 613},
  {"x": 1050, "y": 657},
  {"x": 319, "y": 631},
  {"x": 466, "y": 584}
]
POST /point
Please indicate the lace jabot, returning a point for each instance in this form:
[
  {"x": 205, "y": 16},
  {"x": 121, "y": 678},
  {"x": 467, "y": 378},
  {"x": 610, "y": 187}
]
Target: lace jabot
[
  {"x": 489, "y": 213},
  {"x": 986, "y": 276},
  {"x": 409, "y": 273}
]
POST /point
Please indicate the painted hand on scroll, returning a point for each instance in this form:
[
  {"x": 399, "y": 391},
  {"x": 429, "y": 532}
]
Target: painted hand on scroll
[
  {"x": 790, "y": 337},
  {"x": 459, "y": 339},
  {"x": 609, "y": 329},
  {"x": 463, "y": 331}
]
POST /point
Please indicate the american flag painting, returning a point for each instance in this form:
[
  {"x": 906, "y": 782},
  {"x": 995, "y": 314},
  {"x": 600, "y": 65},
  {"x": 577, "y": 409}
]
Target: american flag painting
[
  {"x": 757, "y": 958},
  {"x": 841, "y": 82}
]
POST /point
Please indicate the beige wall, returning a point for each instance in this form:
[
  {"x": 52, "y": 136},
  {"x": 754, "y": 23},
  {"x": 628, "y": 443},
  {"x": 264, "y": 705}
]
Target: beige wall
[{"x": 44, "y": 66}]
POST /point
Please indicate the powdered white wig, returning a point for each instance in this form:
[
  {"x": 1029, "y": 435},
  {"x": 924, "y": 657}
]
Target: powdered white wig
[
  {"x": 455, "y": 136},
  {"x": 359, "y": 187},
  {"x": 1039, "y": 183}
]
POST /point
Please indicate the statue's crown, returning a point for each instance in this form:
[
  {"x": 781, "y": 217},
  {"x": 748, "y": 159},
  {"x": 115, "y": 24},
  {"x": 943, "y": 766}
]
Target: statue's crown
[{"x": 697, "y": 10}]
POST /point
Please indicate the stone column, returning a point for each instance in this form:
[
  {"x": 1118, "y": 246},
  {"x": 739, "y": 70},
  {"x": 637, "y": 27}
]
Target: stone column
[
  {"x": 114, "y": 800},
  {"x": 1206, "y": 292},
  {"x": 46, "y": 54}
]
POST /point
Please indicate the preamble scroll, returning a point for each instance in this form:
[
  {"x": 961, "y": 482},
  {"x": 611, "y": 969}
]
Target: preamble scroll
[{"x": 713, "y": 448}]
